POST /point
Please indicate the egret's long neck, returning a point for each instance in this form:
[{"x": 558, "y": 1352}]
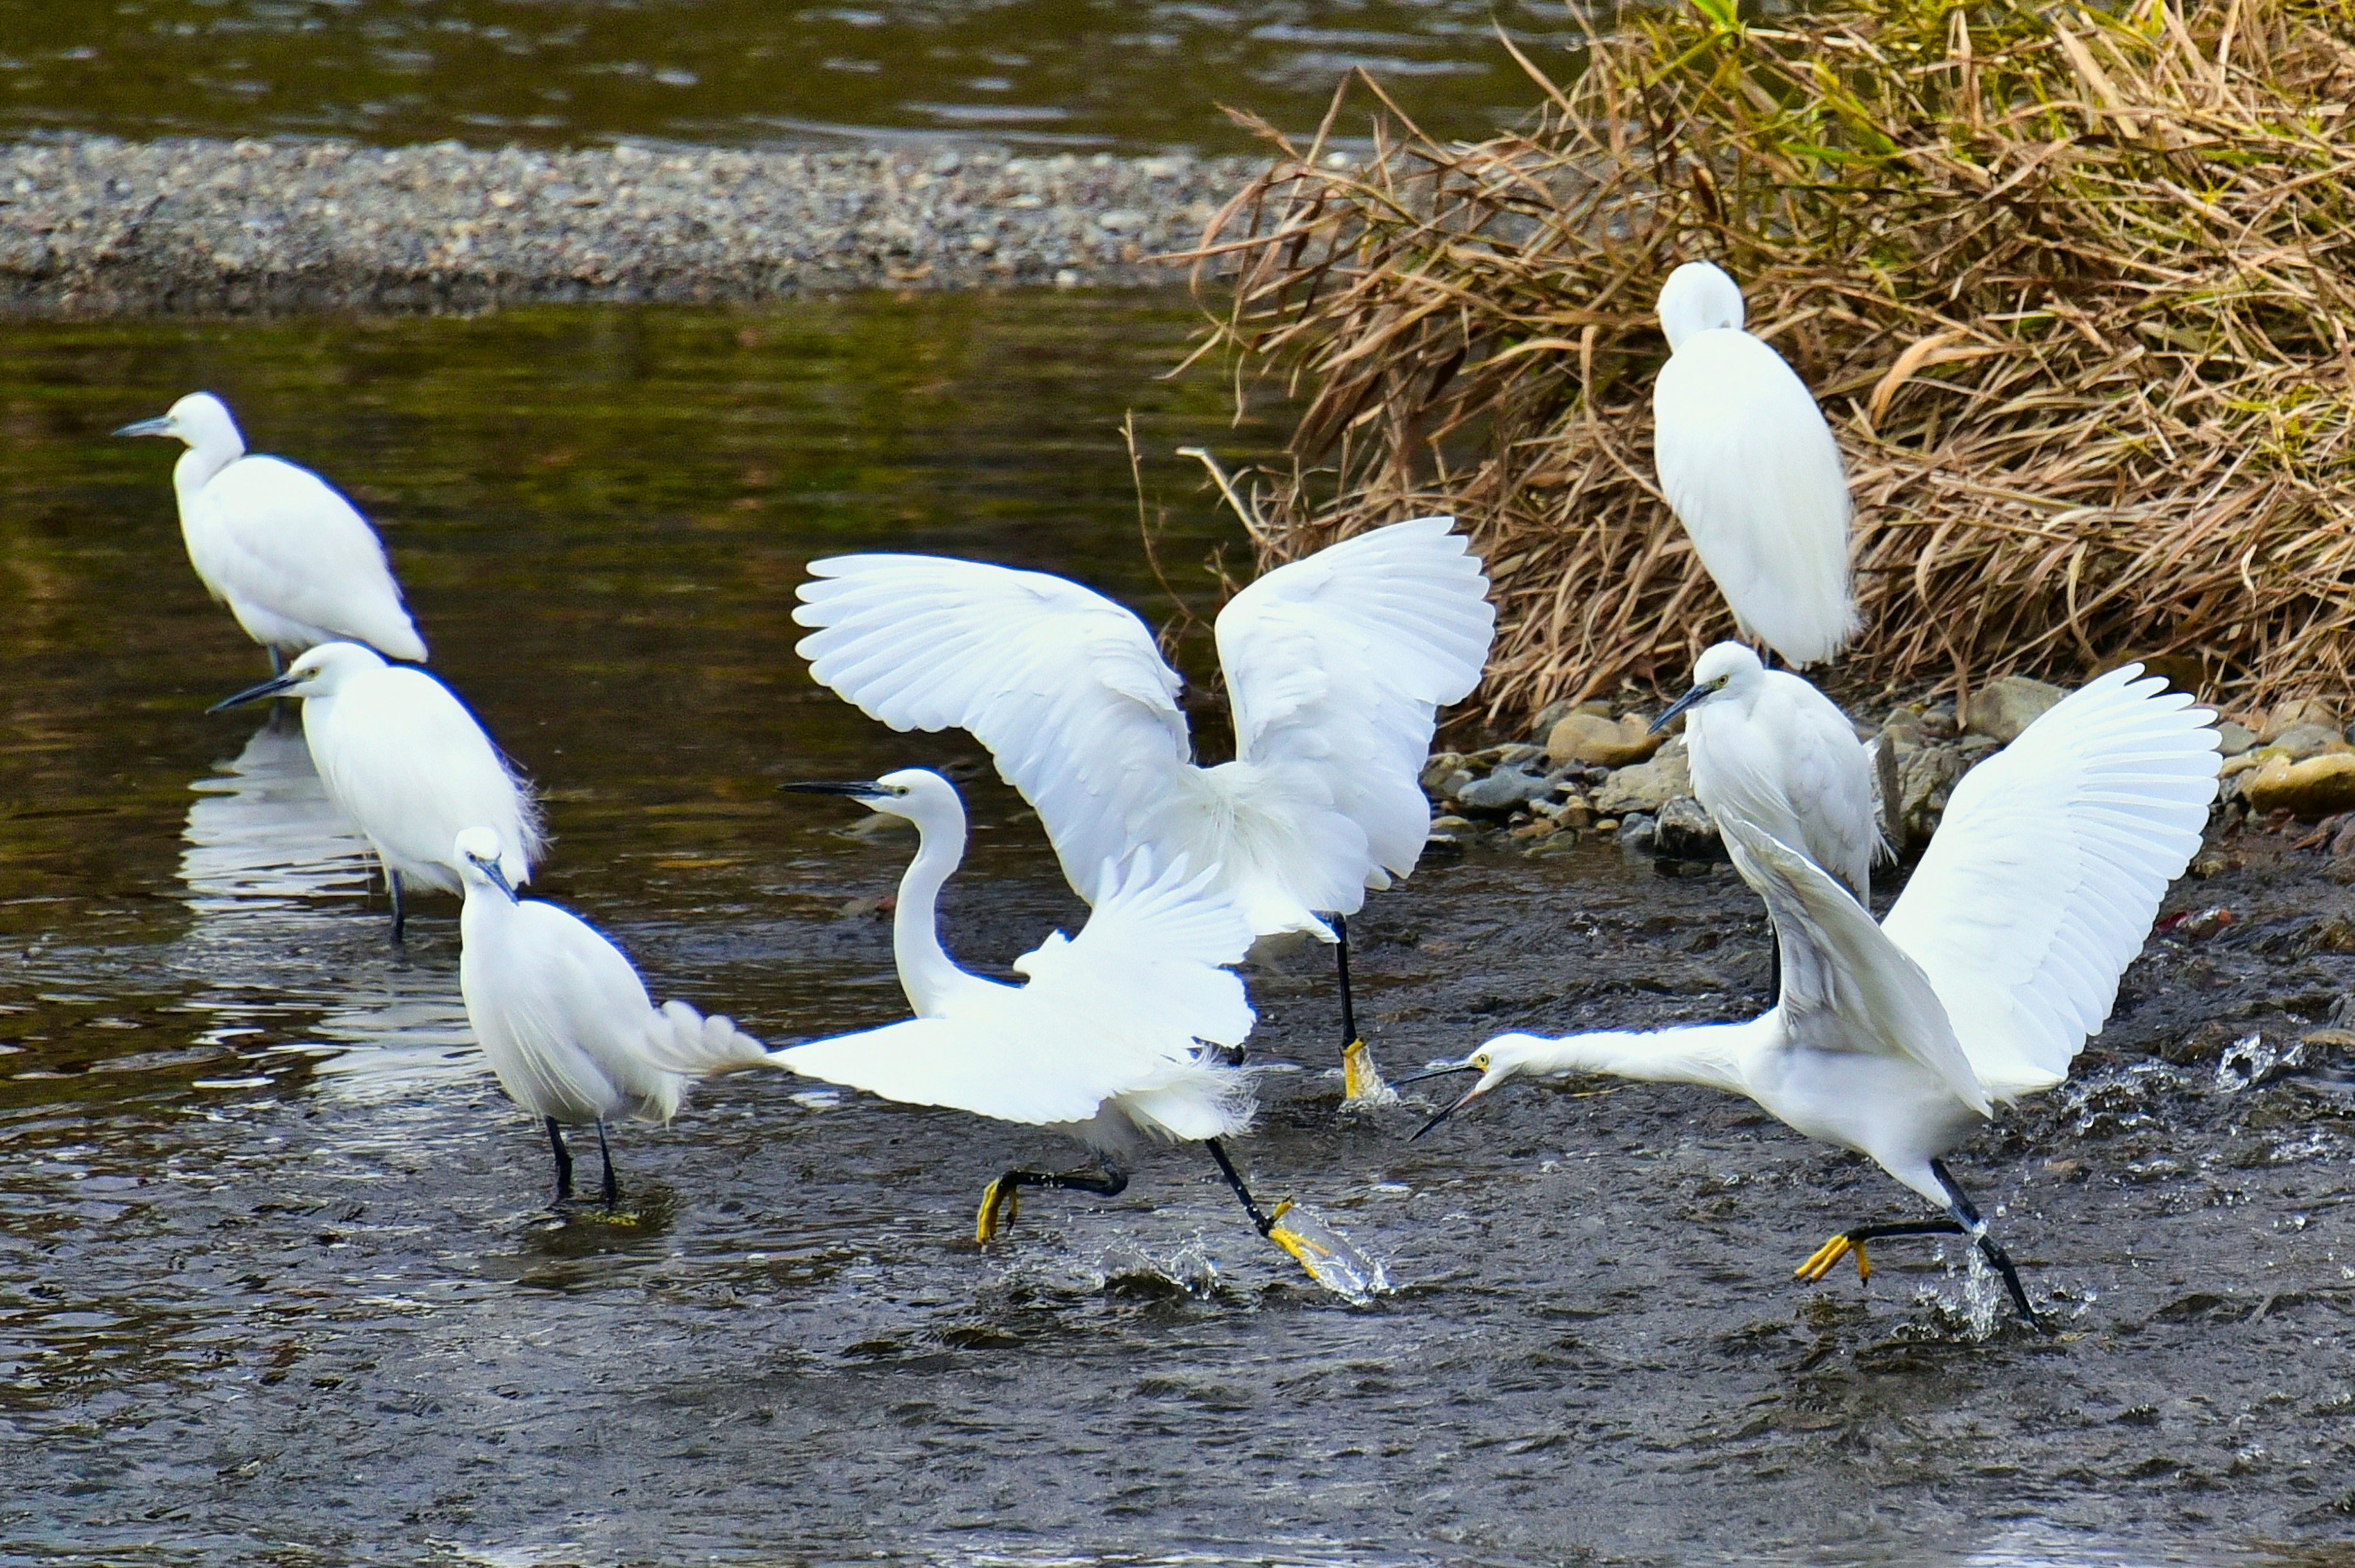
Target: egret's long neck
[
  {"x": 926, "y": 973},
  {"x": 1708, "y": 1055},
  {"x": 200, "y": 463}
]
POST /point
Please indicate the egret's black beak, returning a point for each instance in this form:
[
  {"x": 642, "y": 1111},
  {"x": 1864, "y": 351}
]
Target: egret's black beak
[
  {"x": 1678, "y": 706},
  {"x": 158, "y": 426},
  {"x": 856, "y": 791},
  {"x": 1475, "y": 1092},
  {"x": 498, "y": 878},
  {"x": 1435, "y": 1072},
  {"x": 276, "y": 686}
]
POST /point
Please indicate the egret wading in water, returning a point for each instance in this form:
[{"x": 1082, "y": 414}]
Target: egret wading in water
[
  {"x": 2002, "y": 956},
  {"x": 565, "y": 1020},
  {"x": 1113, "y": 1039},
  {"x": 1335, "y": 668},
  {"x": 406, "y": 761},
  {"x": 293, "y": 560},
  {"x": 1751, "y": 471}
]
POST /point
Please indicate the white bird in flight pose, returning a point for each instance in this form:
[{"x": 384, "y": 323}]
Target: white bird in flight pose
[
  {"x": 409, "y": 763},
  {"x": 2002, "y": 956},
  {"x": 1335, "y": 668},
  {"x": 1112, "y": 1040},
  {"x": 1751, "y": 469},
  {"x": 565, "y": 1020},
  {"x": 294, "y": 562},
  {"x": 1767, "y": 747}
]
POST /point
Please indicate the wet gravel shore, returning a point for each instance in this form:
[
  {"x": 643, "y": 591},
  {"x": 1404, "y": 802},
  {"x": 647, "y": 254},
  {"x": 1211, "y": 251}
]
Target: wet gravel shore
[{"x": 100, "y": 227}]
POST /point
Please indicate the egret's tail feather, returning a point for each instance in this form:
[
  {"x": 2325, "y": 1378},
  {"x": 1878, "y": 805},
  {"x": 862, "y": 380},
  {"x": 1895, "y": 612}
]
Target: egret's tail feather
[{"x": 683, "y": 1040}]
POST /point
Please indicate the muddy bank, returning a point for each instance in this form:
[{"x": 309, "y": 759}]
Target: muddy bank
[{"x": 100, "y": 227}]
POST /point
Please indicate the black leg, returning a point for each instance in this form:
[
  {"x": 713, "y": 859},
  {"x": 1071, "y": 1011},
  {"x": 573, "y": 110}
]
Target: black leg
[
  {"x": 399, "y": 914},
  {"x": 1260, "y": 1222},
  {"x": 1361, "y": 1080},
  {"x": 1341, "y": 961},
  {"x": 276, "y": 667},
  {"x": 612, "y": 1189},
  {"x": 1001, "y": 1200},
  {"x": 1774, "y": 964},
  {"x": 1820, "y": 1262},
  {"x": 563, "y": 1162},
  {"x": 1967, "y": 1213}
]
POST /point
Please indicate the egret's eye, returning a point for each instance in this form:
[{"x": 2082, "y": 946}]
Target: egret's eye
[{"x": 1481, "y": 1062}]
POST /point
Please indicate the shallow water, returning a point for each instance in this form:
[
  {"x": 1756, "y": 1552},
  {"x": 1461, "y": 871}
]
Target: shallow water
[
  {"x": 1134, "y": 74},
  {"x": 278, "y": 1281}
]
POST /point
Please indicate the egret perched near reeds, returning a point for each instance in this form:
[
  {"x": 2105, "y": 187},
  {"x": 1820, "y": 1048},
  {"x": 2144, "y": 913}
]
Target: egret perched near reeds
[
  {"x": 1751, "y": 469},
  {"x": 1335, "y": 668},
  {"x": 565, "y": 1020},
  {"x": 2001, "y": 957},
  {"x": 408, "y": 764},
  {"x": 1767, "y": 747},
  {"x": 1114, "y": 1038},
  {"x": 293, "y": 560}
]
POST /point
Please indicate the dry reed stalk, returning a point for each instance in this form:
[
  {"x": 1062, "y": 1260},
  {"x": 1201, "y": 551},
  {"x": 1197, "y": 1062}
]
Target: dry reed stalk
[{"x": 2072, "y": 285}]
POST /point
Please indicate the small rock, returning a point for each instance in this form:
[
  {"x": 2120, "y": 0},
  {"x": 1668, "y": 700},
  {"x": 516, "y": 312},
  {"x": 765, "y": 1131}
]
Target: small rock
[
  {"x": 1066, "y": 278},
  {"x": 1574, "y": 812},
  {"x": 2300, "y": 741},
  {"x": 2312, "y": 789},
  {"x": 1647, "y": 787},
  {"x": 1928, "y": 777},
  {"x": 2002, "y": 708},
  {"x": 1685, "y": 831},
  {"x": 2297, "y": 710},
  {"x": 1502, "y": 790},
  {"x": 1597, "y": 741},
  {"x": 1638, "y": 833},
  {"x": 1443, "y": 766},
  {"x": 1450, "y": 824},
  {"x": 2233, "y": 739}
]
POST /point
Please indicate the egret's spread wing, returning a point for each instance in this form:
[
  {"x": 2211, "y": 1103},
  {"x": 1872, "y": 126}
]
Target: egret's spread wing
[
  {"x": 283, "y": 538},
  {"x": 1751, "y": 471},
  {"x": 1846, "y": 986},
  {"x": 2048, "y": 868},
  {"x": 1338, "y": 663},
  {"x": 1115, "y": 1012},
  {"x": 1064, "y": 686}
]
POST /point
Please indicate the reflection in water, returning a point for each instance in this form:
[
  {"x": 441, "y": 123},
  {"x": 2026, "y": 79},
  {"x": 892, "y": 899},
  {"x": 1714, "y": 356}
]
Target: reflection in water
[{"x": 262, "y": 836}]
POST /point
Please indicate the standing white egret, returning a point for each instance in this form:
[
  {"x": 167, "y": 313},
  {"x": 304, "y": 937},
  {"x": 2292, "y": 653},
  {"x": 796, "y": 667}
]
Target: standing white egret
[
  {"x": 1335, "y": 668},
  {"x": 294, "y": 562},
  {"x": 1767, "y": 747},
  {"x": 565, "y": 1020},
  {"x": 2003, "y": 955},
  {"x": 1113, "y": 1039},
  {"x": 1751, "y": 469},
  {"x": 407, "y": 763}
]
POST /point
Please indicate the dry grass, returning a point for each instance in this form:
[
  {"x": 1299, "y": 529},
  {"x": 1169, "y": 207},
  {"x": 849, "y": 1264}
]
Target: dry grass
[{"x": 2074, "y": 288}]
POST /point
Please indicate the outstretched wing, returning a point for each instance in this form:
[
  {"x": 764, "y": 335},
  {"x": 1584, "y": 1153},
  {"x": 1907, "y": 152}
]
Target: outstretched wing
[
  {"x": 1115, "y": 1012},
  {"x": 1846, "y": 986},
  {"x": 1064, "y": 686},
  {"x": 2048, "y": 868},
  {"x": 1337, "y": 663},
  {"x": 281, "y": 538}
]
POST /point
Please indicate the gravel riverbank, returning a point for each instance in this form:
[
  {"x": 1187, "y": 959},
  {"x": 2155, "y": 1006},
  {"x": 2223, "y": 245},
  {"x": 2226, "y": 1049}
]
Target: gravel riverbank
[{"x": 102, "y": 226}]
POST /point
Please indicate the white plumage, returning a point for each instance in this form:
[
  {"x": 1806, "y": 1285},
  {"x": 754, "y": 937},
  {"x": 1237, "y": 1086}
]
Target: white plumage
[
  {"x": 564, "y": 1019},
  {"x": 294, "y": 562},
  {"x": 2002, "y": 956},
  {"x": 1767, "y": 747},
  {"x": 1751, "y": 469},
  {"x": 409, "y": 763}
]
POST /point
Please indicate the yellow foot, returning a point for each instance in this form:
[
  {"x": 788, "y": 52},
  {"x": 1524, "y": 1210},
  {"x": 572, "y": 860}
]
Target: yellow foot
[
  {"x": 1361, "y": 1080},
  {"x": 1001, "y": 1200},
  {"x": 1328, "y": 1257},
  {"x": 1820, "y": 1262}
]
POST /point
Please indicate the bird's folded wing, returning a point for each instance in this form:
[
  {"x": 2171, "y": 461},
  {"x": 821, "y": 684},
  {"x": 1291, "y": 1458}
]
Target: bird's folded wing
[
  {"x": 1064, "y": 686},
  {"x": 1846, "y": 986},
  {"x": 292, "y": 543},
  {"x": 2048, "y": 868},
  {"x": 1338, "y": 662}
]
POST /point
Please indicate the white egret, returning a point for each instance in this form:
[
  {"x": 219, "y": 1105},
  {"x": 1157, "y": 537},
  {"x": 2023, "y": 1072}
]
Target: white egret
[
  {"x": 294, "y": 562},
  {"x": 2003, "y": 955},
  {"x": 407, "y": 763},
  {"x": 1750, "y": 468},
  {"x": 565, "y": 1020},
  {"x": 1335, "y": 667},
  {"x": 1113, "y": 1039},
  {"x": 1767, "y": 747}
]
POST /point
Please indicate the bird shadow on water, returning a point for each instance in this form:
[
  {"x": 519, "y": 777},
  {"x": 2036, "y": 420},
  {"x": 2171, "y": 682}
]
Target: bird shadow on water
[{"x": 581, "y": 1247}]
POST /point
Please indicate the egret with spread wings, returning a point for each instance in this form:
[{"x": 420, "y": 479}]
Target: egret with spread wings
[
  {"x": 1335, "y": 668},
  {"x": 2001, "y": 957}
]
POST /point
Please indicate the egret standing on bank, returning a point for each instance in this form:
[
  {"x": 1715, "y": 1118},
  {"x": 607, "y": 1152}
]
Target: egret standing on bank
[
  {"x": 1750, "y": 468},
  {"x": 1336, "y": 668},
  {"x": 293, "y": 560},
  {"x": 2002, "y": 956},
  {"x": 1113, "y": 1039},
  {"x": 565, "y": 1020},
  {"x": 409, "y": 763}
]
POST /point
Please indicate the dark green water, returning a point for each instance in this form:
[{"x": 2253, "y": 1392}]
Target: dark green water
[{"x": 1088, "y": 73}]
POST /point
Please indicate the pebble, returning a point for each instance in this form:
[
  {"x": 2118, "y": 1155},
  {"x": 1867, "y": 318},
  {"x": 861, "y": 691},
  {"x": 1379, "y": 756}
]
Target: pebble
[
  {"x": 1647, "y": 787},
  {"x": 2311, "y": 790},
  {"x": 1598, "y": 742},
  {"x": 2002, "y": 708}
]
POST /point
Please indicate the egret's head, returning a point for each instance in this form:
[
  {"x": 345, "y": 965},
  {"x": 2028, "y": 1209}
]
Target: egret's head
[
  {"x": 320, "y": 672},
  {"x": 477, "y": 853},
  {"x": 1697, "y": 297},
  {"x": 201, "y": 420},
  {"x": 1499, "y": 1062},
  {"x": 919, "y": 795},
  {"x": 1722, "y": 667}
]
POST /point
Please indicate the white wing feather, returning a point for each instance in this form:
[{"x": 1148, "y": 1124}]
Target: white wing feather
[
  {"x": 1113, "y": 1015},
  {"x": 561, "y": 1015},
  {"x": 2048, "y": 868},
  {"x": 1751, "y": 469},
  {"x": 270, "y": 537}
]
